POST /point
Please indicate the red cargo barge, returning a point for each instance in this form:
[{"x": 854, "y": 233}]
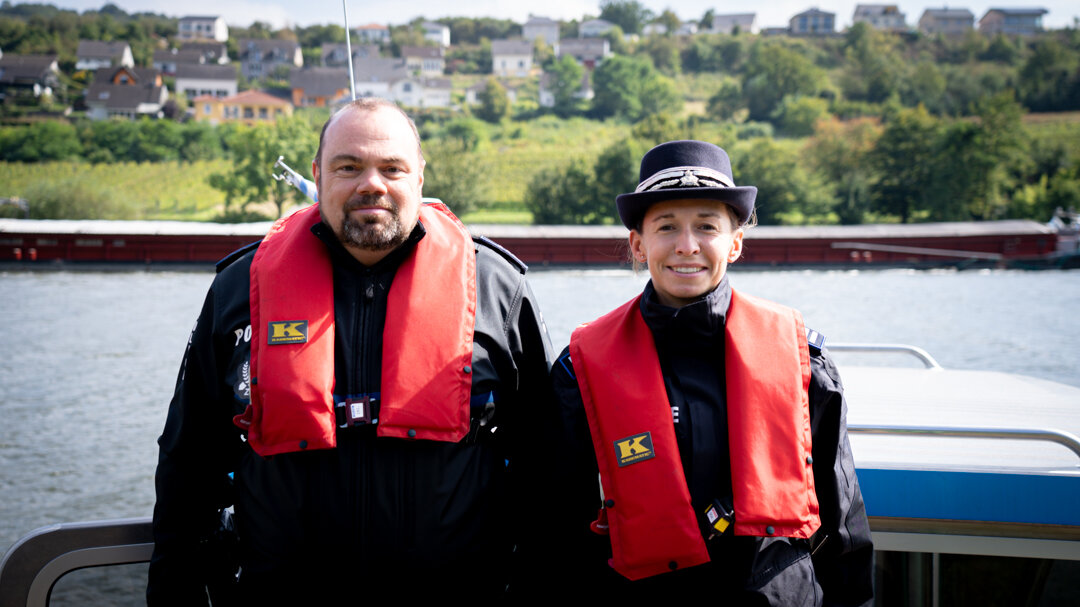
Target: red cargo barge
[{"x": 992, "y": 243}]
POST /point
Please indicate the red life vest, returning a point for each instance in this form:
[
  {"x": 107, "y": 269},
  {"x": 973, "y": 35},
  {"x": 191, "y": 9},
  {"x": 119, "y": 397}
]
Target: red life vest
[
  {"x": 652, "y": 523},
  {"x": 426, "y": 382}
]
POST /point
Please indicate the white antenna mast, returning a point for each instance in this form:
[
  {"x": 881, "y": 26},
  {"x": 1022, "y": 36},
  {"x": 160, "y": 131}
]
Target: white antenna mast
[{"x": 348, "y": 49}]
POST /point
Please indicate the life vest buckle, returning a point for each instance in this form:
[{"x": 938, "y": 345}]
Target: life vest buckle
[
  {"x": 360, "y": 410},
  {"x": 720, "y": 517}
]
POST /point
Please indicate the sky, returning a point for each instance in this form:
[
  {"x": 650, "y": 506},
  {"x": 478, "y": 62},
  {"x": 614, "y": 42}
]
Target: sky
[{"x": 280, "y": 13}]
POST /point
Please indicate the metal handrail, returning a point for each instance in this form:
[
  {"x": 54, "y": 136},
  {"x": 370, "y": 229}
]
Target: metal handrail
[
  {"x": 33, "y": 565},
  {"x": 915, "y": 351},
  {"x": 1066, "y": 439}
]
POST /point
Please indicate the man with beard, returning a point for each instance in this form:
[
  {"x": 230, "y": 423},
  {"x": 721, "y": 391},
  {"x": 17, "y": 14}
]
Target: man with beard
[{"x": 365, "y": 386}]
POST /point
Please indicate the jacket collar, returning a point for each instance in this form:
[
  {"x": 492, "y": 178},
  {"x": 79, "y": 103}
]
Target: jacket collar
[{"x": 702, "y": 320}]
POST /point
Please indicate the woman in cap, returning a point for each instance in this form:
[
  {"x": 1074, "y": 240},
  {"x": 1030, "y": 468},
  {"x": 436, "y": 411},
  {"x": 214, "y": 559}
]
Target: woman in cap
[{"x": 717, "y": 427}]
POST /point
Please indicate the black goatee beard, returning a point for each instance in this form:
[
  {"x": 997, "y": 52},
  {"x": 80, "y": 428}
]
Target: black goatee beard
[{"x": 370, "y": 233}]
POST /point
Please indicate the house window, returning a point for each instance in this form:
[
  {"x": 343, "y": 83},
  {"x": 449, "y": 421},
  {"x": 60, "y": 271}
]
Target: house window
[
  {"x": 407, "y": 87},
  {"x": 249, "y": 113},
  {"x": 206, "y": 109},
  {"x": 263, "y": 114},
  {"x": 189, "y": 92}
]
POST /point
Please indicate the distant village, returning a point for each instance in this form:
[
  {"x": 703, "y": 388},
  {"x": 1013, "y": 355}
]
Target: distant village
[{"x": 208, "y": 80}]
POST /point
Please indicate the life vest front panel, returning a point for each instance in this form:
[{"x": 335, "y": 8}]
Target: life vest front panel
[
  {"x": 652, "y": 523},
  {"x": 426, "y": 381}
]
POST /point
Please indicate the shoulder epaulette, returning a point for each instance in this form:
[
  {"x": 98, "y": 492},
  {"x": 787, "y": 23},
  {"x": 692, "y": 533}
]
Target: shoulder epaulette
[
  {"x": 491, "y": 244},
  {"x": 815, "y": 340},
  {"x": 228, "y": 260}
]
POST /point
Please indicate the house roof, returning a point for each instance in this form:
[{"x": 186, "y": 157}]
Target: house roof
[
  {"x": 534, "y": 20},
  {"x": 206, "y": 71},
  {"x": 319, "y": 81},
  {"x": 211, "y": 49},
  {"x": 371, "y": 26},
  {"x": 380, "y": 69},
  {"x": 24, "y": 67},
  {"x": 428, "y": 25},
  {"x": 954, "y": 13},
  {"x": 142, "y": 75},
  {"x": 1026, "y": 12},
  {"x": 175, "y": 56},
  {"x": 582, "y": 46},
  {"x": 815, "y": 11},
  {"x": 96, "y": 49},
  {"x": 123, "y": 96},
  {"x": 200, "y": 18},
  {"x": 875, "y": 9},
  {"x": 286, "y": 47},
  {"x": 255, "y": 97},
  {"x": 511, "y": 47},
  {"x": 425, "y": 52},
  {"x": 597, "y": 23}
]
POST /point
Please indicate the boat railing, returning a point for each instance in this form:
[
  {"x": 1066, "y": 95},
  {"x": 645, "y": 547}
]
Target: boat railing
[
  {"x": 1066, "y": 439},
  {"x": 915, "y": 351},
  {"x": 33, "y": 565}
]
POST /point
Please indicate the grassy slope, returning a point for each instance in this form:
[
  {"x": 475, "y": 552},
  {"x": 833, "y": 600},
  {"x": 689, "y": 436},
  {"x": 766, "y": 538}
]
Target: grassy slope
[{"x": 514, "y": 153}]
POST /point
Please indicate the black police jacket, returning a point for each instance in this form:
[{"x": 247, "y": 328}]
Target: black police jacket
[
  {"x": 742, "y": 570},
  {"x": 374, "y": 515}
]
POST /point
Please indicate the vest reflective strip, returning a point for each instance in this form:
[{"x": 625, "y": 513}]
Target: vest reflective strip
[
  {"x": 652, "y": 523},
  {"x": 426, "y": 381}
]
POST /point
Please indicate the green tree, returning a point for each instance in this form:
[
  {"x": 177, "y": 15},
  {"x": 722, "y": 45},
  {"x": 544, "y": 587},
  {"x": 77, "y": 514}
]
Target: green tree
[
  {"x": 565, "y": 82},
  {"x": 630, "y": 15},
  {"x": 787, "y": 192},
  {"x": 40, "y": 142},
  {"x": 727, "y": 100},
  {"x": 630, "y": 88},
  {"x": 494, "y": 102},
  {"x": 905, "y": 159},
  {"x": 797, "y": 116},
  {"x": 670, "y": 21},
  {"x": 561, "y": 196},
  {"x": 255, "y": 150},
  {"x": 1049, "y": 79},
  {"x": 454, "y": 175},
  {"x": 664, "y": 53},
  {"x": 616, "y": 169},
  {"x": 468, "y": 132},
  {"x": 840, "y": 151},
  {"x": 773, "y": 72},
  {"x": 872, "y": 67}
]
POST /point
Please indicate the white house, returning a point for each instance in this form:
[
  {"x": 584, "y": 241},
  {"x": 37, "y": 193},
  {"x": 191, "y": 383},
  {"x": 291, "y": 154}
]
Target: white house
[
  {"x": 194, "y": 80},
  {"x": 436, "y": 32},
  {"x": 203, "y": 28},
  {"x": 880, "y": 16},
  {"x": 425, "y": 60},
  {"x": 594, "y": 27},
  {"x": 126, "y": 92},
  {"x": 95, "y": 54},
  {"x": 589, "y": 52},
  {"x": 373, "y": 33},
  {"x": 541, "y": 27},
  {"x": 745, "y": 23},
  {"x": 511, "y": 57}
]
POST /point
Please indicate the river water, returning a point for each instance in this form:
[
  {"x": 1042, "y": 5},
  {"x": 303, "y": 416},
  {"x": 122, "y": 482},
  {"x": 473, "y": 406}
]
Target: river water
[{"x": 89, "y": 360}]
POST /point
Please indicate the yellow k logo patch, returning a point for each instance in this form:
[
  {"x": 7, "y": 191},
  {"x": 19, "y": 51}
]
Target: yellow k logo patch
[
  {"x": 288, "y": 332},
  {"x": 634, "y": 449}
]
